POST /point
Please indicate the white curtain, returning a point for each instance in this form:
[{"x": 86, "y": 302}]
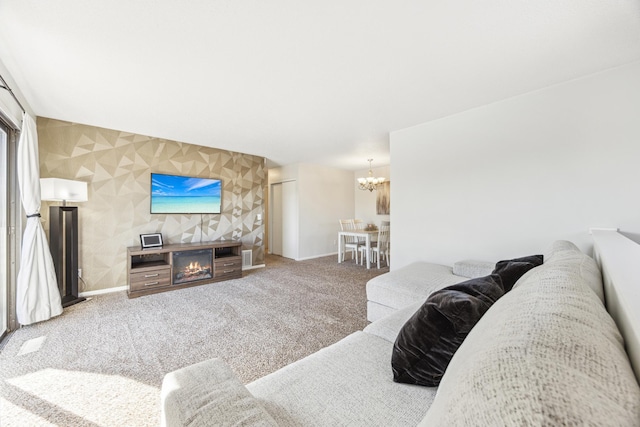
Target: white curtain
[{"x": 37, "y": 294}]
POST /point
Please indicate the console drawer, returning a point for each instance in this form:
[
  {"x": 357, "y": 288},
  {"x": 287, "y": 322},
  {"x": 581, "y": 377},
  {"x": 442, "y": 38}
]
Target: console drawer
[
  {"x": 227, "y": 267},
  {"x": 228, "y": 273},
  {"x": 150, "y": 279},
  {"x": 227, "y": 263}
]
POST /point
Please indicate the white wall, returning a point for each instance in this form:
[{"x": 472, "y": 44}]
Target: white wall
[
  {"x": 284, "y": 173},
  {"x": 508, "y": 178},
  {"x": 324, "y": 195},
  {"x": 365, "y": 201}
]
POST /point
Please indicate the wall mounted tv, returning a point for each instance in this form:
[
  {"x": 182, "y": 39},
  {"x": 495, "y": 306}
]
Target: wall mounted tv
[{"x": 175, "y": 194}]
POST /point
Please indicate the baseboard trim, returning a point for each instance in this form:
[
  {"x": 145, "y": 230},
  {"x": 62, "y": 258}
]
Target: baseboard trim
[
  {"x": 102, "y": 291},
  {"x": 253, "y": 267},
  {"x": 317, "y": 256}
]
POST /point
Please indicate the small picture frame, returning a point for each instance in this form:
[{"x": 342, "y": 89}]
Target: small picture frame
[{"x": 151, "y": 240}]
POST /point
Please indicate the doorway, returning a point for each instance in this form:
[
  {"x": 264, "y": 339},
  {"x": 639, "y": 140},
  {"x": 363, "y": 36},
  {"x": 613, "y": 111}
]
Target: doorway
[{"x": 284, "y": 219}]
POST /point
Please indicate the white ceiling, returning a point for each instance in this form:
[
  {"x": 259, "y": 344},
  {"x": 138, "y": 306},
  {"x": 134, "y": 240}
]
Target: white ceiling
[{"x": 316, "y": 81}]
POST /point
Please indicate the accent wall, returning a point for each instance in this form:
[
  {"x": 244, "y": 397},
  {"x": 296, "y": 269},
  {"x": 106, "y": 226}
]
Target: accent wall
[{"x": 117, "y": 167}]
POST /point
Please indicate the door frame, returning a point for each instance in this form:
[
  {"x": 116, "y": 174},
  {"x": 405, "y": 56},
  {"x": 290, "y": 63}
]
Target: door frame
[
  {"x": 14, "y": 225},
  {"x": 271, "y": 216}
]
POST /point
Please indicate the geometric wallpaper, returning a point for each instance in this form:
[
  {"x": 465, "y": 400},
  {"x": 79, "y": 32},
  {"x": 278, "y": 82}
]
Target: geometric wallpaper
[{"x": 117, "y": 166}]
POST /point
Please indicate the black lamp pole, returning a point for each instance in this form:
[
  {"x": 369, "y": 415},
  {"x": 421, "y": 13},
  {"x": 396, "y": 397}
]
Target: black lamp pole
[{"x": 63, "y": 236}]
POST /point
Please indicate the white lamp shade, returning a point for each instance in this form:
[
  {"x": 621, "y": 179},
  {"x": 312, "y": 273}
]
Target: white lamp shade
[{"x": 57, "y": 189}]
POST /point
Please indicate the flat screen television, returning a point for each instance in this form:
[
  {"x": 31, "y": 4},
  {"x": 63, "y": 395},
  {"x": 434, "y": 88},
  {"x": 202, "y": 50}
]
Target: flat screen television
[{"x": 175, "y": 194}]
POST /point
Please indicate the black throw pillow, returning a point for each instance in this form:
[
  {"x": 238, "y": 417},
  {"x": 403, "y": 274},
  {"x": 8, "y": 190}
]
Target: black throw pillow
[
  {"x": 512, "y": 269},
  {"x": 426, "y": 343}
]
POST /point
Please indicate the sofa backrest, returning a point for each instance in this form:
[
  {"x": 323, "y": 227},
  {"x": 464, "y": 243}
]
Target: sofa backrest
[
  {"x": 565, "y": 255},
  {"x": 546, "y": 353}
]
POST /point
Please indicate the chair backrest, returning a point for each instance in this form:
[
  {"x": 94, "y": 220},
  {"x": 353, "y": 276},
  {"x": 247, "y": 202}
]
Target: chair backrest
[
  {"x": 384, "y": 235},
  {"x": 359, "y": 224},
  {"x": 348, "y": 225}
]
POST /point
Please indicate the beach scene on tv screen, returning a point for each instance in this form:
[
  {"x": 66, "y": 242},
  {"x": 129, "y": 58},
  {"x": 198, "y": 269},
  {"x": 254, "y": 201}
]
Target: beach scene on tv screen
[{"x": 182, "y": 194}]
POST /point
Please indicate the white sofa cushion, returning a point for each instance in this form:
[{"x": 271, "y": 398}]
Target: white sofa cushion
[
  {"x": 399, "y": 288},
  {"x": 349, "y": 383},
  {"x": 389, "y": 326},
  {"x": 376, "y": 311},
  {"x": 473, "y": 268},
  {"x": 547, "y": 353}
]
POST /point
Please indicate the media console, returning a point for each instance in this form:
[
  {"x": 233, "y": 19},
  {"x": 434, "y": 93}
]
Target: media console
[{"x": 181, "y": 265}]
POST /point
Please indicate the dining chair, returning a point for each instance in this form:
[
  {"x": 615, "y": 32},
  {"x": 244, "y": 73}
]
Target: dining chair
[
  {"x": 387, "y": 253},
  {"x": 374, "y": 240},
  {"x": 350, "y": 243},
  {"x": 359, "y": 224},
  {"x": 380, "y": 248}
]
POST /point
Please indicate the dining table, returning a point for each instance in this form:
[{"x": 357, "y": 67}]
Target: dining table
[{"x": 360, "y": 234}]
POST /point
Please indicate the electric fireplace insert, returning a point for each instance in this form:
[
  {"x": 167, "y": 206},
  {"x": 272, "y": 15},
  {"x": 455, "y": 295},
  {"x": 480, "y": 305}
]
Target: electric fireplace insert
[{"x": 192, "y": 266}]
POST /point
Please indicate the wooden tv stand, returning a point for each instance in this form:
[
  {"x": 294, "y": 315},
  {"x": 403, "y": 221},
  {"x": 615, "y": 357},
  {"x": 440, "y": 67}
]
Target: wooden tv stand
[{"x": 152, "y": 270}]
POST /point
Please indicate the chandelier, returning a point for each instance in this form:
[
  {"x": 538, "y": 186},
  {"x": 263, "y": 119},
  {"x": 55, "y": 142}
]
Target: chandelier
[{"x": 369, "y": 183}]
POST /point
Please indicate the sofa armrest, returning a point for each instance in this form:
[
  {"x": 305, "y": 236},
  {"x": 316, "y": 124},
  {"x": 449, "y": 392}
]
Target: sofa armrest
[{"x": 208, "y": 393}]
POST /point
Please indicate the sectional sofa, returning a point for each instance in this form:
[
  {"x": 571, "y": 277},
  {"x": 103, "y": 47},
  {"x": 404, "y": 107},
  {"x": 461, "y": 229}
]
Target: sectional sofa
[
  {"x": 545, "y": 353},
  {"x": 390, "y": 292}
]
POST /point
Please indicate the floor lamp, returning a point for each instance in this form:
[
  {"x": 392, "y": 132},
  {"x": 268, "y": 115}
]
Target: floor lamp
[{"x": 63, "y": 233}]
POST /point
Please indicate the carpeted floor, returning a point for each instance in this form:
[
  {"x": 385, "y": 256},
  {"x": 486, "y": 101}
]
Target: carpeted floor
[{"x": 101, "y": 362}]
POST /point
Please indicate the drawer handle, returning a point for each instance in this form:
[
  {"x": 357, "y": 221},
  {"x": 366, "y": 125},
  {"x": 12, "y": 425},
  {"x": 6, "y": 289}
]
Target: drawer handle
[
  {"x": 228, "y": 271},
  {"x": 227, "y": 265},
  {"x": 151, "y": 283},
  {"x": 146, "y": 276}
]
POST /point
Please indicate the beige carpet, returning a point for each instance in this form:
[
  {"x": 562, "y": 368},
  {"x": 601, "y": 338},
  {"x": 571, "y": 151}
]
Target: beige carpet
[{"x": 101, "y": 363}]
